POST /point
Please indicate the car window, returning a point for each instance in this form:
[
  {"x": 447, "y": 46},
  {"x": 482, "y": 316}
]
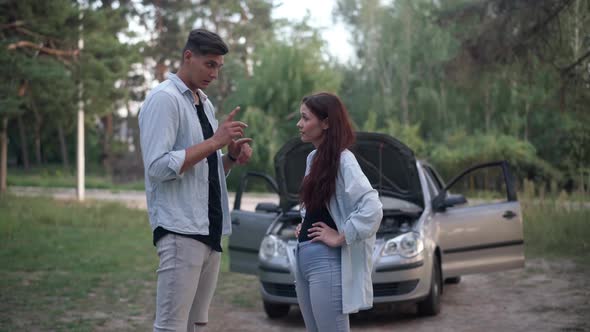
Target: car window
[
  {"x": 435, "y": 178},
  {"x": 256, "y": 195},
  {"x": 432, "y": 187},
  {"x": 484, "y": 185}
]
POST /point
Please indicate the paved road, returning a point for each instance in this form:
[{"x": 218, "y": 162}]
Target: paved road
[{"x": 131, "y": 198}]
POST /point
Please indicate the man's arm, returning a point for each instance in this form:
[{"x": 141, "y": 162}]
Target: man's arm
[
  {"x": 240, "y": 152},
  {"x": 198, "y": 152},
  {"x": 224, "y": 135},
  {"x": 158, "y": 126},
  {"x": 227, "y": 163}
]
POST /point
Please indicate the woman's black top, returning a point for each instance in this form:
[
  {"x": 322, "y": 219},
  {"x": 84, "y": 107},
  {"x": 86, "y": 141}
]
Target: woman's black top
[{"x": 313, "y": 217}]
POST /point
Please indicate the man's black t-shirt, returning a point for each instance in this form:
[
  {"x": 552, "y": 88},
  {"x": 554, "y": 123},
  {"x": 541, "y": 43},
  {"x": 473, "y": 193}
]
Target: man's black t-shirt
[{"x": 213, "y": 240}]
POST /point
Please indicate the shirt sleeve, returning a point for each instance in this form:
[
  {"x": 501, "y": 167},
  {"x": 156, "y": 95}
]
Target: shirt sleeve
[
  {"x": 158, "y": 126},
  {"x": 366, "y": 217}
]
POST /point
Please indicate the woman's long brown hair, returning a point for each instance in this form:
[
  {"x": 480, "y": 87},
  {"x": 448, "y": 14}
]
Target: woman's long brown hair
[{"x": 320, "y": 184}]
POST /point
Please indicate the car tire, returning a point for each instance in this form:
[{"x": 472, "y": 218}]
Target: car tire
[
  {"x": 430, "y": 306},
  {"x": 453, "y": 281},
  {"x": 275, "y": 310}
]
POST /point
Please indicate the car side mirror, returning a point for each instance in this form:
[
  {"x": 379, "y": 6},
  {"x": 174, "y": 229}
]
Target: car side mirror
[
  {"x": 445, "y": 200},
  {"x": 267, "y": 207}
]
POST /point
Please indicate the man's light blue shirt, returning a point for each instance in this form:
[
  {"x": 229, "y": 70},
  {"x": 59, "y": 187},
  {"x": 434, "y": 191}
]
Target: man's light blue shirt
[{"x": 168, "y": 124}]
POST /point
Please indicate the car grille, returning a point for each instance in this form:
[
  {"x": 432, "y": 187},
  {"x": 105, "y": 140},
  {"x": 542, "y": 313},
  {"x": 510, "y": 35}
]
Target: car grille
[
  {"x": 388, "y": 289},
  {"x": 279, "y": 289},
  {"x": 394, "y": 288}
]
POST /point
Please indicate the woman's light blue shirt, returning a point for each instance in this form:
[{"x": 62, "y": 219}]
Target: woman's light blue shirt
[{"x": 357, "y": 212}]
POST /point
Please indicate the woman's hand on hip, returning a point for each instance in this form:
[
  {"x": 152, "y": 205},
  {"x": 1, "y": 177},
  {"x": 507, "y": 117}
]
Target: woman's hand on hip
[{"x": 324, "y": 233}]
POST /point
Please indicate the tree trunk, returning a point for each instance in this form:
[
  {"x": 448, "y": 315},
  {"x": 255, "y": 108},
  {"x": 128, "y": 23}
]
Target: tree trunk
[
  {"x": 527, "y": 109},
  {"x": 3, "y": 154},
  {"x": 133, "y": 123},
  {"x": 407, "y": 67},
  {"x": 63, "y": 146},
  {"x": 487, "y": 106},
  {"x": 22, "y": 90},
  {"x": 106, "y": 143},
  {"x": 161, "y": 67},
  {"x": 37, "y": 133},
  {"x": 23, "y": 142},
  {"x": 404, "y": 101},
  {"x": 443, "y": 103}
]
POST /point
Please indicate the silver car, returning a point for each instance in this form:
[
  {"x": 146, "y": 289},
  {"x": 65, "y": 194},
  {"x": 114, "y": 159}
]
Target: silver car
[{"x": 427, "y": 236}]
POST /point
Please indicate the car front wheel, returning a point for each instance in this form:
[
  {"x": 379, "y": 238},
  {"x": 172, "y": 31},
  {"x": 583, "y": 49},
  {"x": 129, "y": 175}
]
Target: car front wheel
[
  {"x": 430, "y": 306},
  {"x": 275, "y": 310}
]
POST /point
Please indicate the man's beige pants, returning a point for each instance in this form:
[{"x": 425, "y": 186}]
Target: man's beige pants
[{"x": 187, "y": 277}]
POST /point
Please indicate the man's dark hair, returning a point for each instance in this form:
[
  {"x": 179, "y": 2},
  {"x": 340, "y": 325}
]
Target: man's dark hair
[{"x": 205, "y": 42}]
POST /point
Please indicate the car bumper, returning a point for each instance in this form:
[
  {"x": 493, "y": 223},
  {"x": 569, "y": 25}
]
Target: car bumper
[
  {"x": 405, "y": 282},
  {"x": 277, "y": 284}
]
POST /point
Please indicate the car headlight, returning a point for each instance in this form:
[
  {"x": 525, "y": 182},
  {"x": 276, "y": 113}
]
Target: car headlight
[
  {"x": 407, "y": 245},
  {"x": 272, "y": 246}
]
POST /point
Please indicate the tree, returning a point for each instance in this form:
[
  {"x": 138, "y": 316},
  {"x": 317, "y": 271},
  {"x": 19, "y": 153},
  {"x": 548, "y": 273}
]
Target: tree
[
  {"x": 41, "y": 56},
  {"x": 244, "y": 25},
  {"x": 283, "y": 72},
  {"x": 31, "y": 48}
]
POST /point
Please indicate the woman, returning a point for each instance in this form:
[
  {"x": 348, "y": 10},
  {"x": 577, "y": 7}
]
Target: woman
[{"x": 341, "y": 214}]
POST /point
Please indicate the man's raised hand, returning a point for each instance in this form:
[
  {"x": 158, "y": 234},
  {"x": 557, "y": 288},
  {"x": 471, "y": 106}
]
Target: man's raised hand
[
  {"x": 240, "y": 150},
  {"x": 229, "y": 129}
]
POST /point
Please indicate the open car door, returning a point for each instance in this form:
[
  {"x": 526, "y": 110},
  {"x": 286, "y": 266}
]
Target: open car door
[
  {"x": 249, "y": 227},
  {"x": 481, "y": 222}
]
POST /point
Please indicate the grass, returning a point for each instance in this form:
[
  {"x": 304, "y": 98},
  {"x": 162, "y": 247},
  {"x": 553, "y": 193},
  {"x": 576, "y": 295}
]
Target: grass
[
  {"x": 554, "y": 229},
  {"x": 57, "y": 177},
  {"x": 67, "y": 266}
]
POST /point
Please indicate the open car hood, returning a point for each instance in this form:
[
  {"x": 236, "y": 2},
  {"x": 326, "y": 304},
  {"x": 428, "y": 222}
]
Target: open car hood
[{"x": 389, "y": 165}]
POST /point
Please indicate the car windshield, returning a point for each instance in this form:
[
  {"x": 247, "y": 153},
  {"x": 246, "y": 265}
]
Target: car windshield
[{"x": 384, "y": 182}]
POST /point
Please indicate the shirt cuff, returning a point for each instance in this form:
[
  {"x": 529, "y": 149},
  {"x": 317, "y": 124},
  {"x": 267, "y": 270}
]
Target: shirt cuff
[
  {"x": 176, "y": 161},
  {"x": 350, "y": 234}
]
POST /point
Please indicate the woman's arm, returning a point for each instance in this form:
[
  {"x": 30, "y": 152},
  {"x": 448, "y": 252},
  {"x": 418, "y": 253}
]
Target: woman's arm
[{"x": 364, "y": 220}]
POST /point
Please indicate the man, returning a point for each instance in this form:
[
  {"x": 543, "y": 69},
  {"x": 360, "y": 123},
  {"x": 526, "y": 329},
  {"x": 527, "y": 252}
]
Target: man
[{"x": 185, "y": 182}]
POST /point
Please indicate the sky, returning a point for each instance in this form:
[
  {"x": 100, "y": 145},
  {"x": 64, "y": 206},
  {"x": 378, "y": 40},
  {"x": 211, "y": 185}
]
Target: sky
[{"x": 336, "y": 34}]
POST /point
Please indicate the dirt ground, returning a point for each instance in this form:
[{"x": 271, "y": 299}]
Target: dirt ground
[
  {"x": 544, "y": 296},
  {"x": 547, "y": 295}
]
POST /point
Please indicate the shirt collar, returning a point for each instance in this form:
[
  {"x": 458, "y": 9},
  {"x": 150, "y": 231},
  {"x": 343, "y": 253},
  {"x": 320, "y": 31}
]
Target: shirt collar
[{"x": 183, "y": 88}]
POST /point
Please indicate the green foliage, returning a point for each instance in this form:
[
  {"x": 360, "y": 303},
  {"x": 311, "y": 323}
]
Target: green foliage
[
  {"x": 409, "y": 135},
  {"x": 41, "y": 65},
  {"x": 556, "y": 228},
  {"x": 419, "y": 77},
  {"x": 283, "y": 73},
  {"x": 459, "y": 81},
  {"x": 10, "y": 102},
  {"x": 461, "y": 150}
]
